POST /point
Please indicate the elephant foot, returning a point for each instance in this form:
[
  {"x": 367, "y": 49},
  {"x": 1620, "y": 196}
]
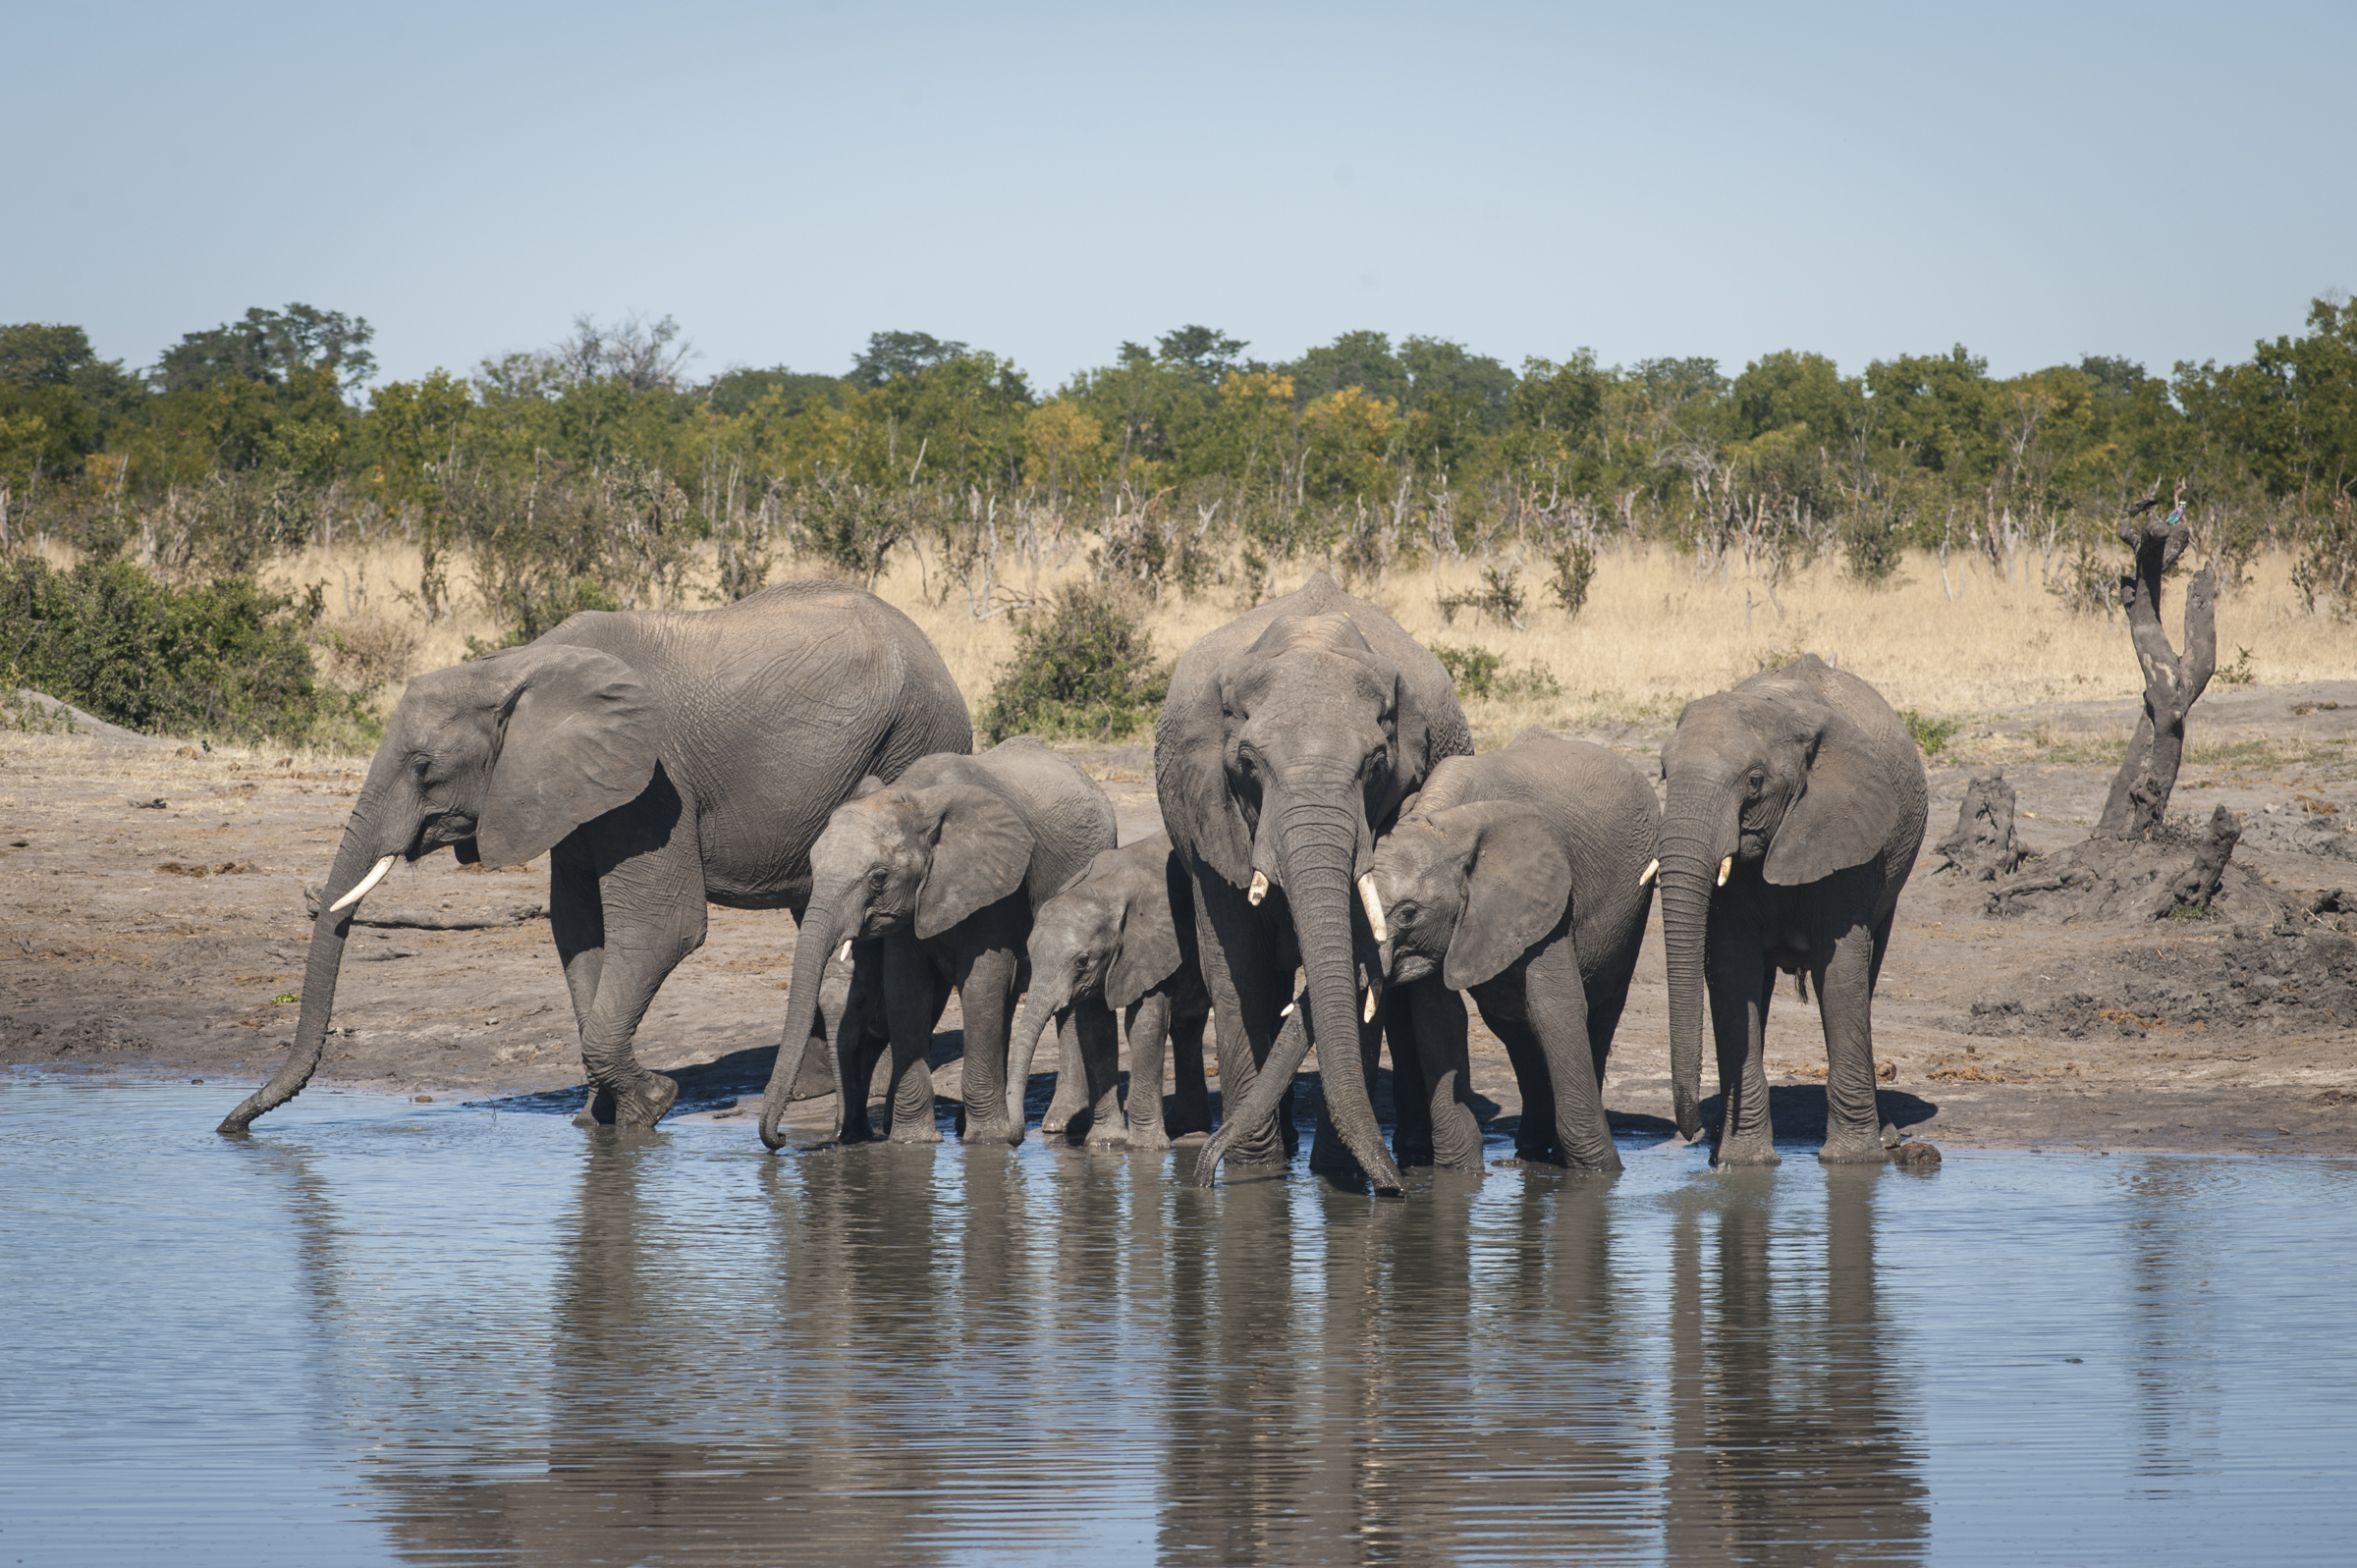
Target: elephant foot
[
  {"x": 1149, "y": 1137},
  {"x": 641, "y": 1105},
  {"x": 1108, "y": 1132},
  {"x": 1754, "y": 1150},
  {"x": 1604, "y": 1165},
  {"x": 925, "y": 1132},
  {"x": 995, "y": 1130},
  {"x": 1853, "y": 1149}
]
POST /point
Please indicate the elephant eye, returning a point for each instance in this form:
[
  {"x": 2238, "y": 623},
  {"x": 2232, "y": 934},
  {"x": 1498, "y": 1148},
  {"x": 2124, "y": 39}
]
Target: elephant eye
[{"x": 876, "y": 879}]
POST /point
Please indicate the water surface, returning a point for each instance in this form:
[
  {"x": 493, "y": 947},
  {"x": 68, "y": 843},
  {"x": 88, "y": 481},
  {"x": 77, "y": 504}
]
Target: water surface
[{"x": 386, "y": 1332}]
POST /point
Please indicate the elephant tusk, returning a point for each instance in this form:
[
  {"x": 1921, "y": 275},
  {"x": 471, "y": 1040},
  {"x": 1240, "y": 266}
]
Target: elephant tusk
[
  {"x": 1645, "y": 877},
  {"x": 1366, "y": 894},
  {"x": 1288, "y": 1010},
  {"x": 843, "y": 954},
  {"x": 1259, "y": 889},
  {"x": 1368, "y": 1014},
  {"x": 359, "y": 890},
  {"x": 1725, "y": 869}
]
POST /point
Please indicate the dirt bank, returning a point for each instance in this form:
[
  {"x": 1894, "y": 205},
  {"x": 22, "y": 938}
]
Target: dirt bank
[{"x": 151, "y": 916}]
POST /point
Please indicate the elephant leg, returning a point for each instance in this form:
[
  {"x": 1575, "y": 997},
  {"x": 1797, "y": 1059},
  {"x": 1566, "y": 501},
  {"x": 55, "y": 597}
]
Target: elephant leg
[
  {"x": 835, "y": 1031},
  {"x": 1100, "y": 1040},
  {"x": 1411, "y": 1080},
  {"x": 1190, "y": 1102},
  {"x": 1535, "y": 1138},
  {"x": 862, "y": 1039},
  {"x": 1237, "y": 949},
  {"x": 651, "y": 894},
  {"x": 576, "y": 918},
  {"x": 1854, "y": 1121},
  {"x": 986, "y": 988},
  {"x": 1740, "y": 985},
  {"x": 1072, "y": 1078},
  {"x": 1556, "y": 1001},
  {"x": 910, "y": 1005},
  {"x": 1433, "y": 1017},
  {"x": 1149, "y": 1030}
]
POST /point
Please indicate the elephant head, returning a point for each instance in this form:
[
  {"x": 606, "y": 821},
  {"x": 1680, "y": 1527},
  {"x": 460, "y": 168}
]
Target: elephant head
[
  {"x": 1281, "y": 767},
  {"x": 911, "y": 856},
  {"x": 1110, "y": 931},
  {"x": 500, "y": 758},
  {"x": 1466, "y": 890},
  {"x": 1768, "y": 780}
]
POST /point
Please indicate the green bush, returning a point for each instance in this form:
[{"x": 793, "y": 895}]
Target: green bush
[
  {"x": 1481, "y": 674},
  {"x": 221, "y": 658},
  {"x": 1931, "y": 734},
  {"x": 1083, "y": 668}
]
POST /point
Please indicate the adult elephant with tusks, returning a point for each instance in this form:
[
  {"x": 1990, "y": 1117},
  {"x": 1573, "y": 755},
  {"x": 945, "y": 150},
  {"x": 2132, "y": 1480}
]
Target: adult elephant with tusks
[
  {"x": 668, "y": 760},
  {"x": 1287, "y": 742},
  {"x": 1797, "y": 804}
]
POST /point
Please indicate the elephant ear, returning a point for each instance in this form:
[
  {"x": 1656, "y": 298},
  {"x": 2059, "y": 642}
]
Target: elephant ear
[
  {"x": 1847, "y": 811},
  {"x": 1518, "y": 884},
  {"x": 579, "y": 735},
  {"x": 1191, "y": 779},
  {"x": 982, "y": 849},
  {"x": 1149, "y": 950}
]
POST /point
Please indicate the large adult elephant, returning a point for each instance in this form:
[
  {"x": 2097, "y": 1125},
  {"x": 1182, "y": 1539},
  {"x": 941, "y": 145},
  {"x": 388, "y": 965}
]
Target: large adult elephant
[
  {"x": 669, "y": 760},
  {"x": 1289, "y": 740},
  {"x": 1797, "y": 803}
]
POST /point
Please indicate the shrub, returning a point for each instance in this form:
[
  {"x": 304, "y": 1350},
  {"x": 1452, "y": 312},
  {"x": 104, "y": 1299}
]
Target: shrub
[
  {"x": 1871, "y": 549},
  {"x": 220, "y": 658},
  {"x": 1575, "y": 569},
  {"x": 1932, "y": 734},
  {"x": 1083, "y": 668},
  {"x": 1481, "y": 674}
]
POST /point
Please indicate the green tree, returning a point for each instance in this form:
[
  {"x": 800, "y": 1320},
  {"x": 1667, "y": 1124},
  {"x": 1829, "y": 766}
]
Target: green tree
[{"x": 270, "y": 346}]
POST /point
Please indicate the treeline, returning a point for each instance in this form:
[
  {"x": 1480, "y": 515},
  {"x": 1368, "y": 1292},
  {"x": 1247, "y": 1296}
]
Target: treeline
[{"x": 598, "y": 471}]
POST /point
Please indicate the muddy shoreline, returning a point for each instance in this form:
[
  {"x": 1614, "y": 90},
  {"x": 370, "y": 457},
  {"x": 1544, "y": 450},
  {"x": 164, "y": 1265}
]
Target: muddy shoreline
[{"x": 153, "y": 939}]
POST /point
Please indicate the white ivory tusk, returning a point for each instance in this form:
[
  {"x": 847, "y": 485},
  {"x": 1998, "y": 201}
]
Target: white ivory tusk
[
  {"x": 359, "y": 890},
  {"x": 1289, "y": 1010},
  {"x": 1645, "y": 877},
  {"x": 1366, "y": 895},
  {"x": 1259, "y": 889},
  {"x": 843, "y": 954},
  {"x": 1726, "y": 868},
  {"x": 1368, "y": 1016}
]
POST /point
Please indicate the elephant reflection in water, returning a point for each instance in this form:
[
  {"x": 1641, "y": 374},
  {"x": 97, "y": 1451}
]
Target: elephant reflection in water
[
  {"x": 786, "y": 1389},
  {"x": 1787, "y": 1445},
  {"x": 1404, "y": 1394}
]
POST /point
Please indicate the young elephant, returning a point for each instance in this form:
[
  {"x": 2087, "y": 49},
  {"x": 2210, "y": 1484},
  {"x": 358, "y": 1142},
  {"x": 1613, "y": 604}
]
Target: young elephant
[
  {"x": 1521, "y": 876},
  {"x": 943, "y": 872},
  {"x": 1797, "y": 810},
  {"x": 1123, "y": 935}
]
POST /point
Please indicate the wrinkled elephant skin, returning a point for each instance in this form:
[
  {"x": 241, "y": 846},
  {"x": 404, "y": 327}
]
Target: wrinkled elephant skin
[{"x": 664, "y": 760}]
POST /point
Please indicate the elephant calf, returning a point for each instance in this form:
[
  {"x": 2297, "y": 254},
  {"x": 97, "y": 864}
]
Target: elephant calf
[
  {"x": 1523, "y": 876},
  {"x": 1123, "y": 935},
  {"x": 938, "y": 876}
]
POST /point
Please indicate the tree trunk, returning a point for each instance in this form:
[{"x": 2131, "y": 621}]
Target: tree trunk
[{"x": 2173, "y": 681}]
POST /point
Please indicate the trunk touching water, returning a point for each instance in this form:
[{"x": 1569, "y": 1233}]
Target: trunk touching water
[
  {"x": 1320, "y": 846},
  {"x": 814, "y": 945},
  {"x": 1697, "y": 833},
  {"x": 354, "y": 858},
  {"x": 1041, "y": 1004}
]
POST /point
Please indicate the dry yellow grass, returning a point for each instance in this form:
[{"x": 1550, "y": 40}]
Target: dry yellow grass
[{"x": 1651, "y": 638}]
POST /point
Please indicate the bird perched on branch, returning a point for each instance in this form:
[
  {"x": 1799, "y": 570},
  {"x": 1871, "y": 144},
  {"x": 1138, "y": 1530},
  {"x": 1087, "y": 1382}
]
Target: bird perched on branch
[{"x": 2144, "y": 506}]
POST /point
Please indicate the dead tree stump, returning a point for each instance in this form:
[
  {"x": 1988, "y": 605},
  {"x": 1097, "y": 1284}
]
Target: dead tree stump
[
  {"x": 2193, "y": 886},
  {"x": 2173, "y": 681},
  {"x": 1983, "y": 847}
]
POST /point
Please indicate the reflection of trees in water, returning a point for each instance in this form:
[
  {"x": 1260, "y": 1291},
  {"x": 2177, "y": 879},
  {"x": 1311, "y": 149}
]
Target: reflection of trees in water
[
  {"x": 1788, "y": 1443},
  {"x": 2172, "y": 1323}
]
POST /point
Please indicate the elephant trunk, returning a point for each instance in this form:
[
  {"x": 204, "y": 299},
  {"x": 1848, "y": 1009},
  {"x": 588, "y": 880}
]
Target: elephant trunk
[
  {"x": 1698, "y": 834},
  {"x": 813, "y": 943},
  {"x": 1321, "y": 842},
  {"x": 356, "y": 858},
  {"x": 1049, "y": 995}
]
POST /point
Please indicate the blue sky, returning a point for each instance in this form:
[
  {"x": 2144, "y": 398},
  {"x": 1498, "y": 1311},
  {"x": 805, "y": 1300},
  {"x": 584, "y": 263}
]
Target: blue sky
[{"x": 2038, "y": 183}]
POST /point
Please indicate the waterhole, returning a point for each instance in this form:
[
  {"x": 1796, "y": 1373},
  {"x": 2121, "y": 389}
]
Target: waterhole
[{"x": 382, "y": 1331}]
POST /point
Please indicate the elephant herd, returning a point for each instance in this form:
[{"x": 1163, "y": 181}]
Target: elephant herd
[{"x": 1325, "y": 815}]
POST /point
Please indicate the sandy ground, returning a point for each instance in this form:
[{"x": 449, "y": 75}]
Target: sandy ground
[{"x": 151, "y": 922}]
